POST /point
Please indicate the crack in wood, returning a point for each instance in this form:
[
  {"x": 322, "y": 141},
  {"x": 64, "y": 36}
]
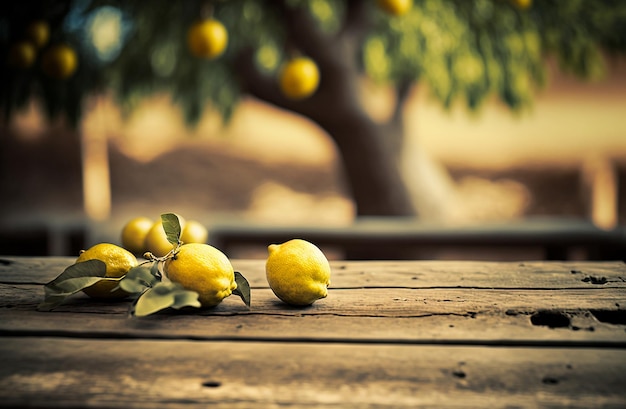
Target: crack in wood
[{"x": 561, "y": 343}]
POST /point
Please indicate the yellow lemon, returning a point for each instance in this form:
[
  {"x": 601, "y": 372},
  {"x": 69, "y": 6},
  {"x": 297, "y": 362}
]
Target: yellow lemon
[
  {"x": 194, "y": 232},
  {"x": 118, "y": 261},
  {"x": 395, "y": 7},
  {"x": 59, "y": 61},
  {"x": 299, "y": 78},
  {"x": 38, "y": 32},
  {"x": 297, "y": 272},
  {"x": 134, "y": 234},
  {"x": 156, "y": 239},
  {"x": 22, "y": 54},
  {"x": 522, "y": 4},
  {"x": 207, "y": 39},
  {"x": 204, "y": 269}
]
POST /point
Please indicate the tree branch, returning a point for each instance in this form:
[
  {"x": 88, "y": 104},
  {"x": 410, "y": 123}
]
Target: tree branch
[
  {"x": 403, "y": 89},
  {"x": 304, "y": 32},
  {"x": 356, "y": 22}
]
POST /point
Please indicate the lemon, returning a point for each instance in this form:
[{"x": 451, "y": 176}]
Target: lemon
[
  {"x": 22, "y": 54},
  {"x": 59, "y": 61},
  {"x": 134, "y": 234},
  {"x": 207, "y": 39},
  {"x": 299, "y": 78},
  {"x": 204, "y": 269},
  {"x": 297, "y": 272},
  {"x": 522, "y": 4},
  {"x": 38, "y": 32},
  {"x": 194, "y": 232},
  {"x": 156, "y": 239},
  {"x": 395, "y": 7},
  {"x": 118, "y": 261}
]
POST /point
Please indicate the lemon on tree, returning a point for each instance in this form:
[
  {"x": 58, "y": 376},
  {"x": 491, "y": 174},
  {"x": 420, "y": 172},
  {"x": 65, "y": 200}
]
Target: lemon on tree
[
  {"x": 298, "y": 272},
  {"x": 522, "y": 4},
  {"x": 194, "y": 232},
  {"x": 134, "y": 234},
  {"x": 395, "y": 7},
  {"x": 22, "y": 54},
  {"x": 59, "y": 61},
  {"x": 117, "y": 260},
  {"x": 207, "y": 38},
  {"x": 38, "y": 32},
  {"x": 204, "y": 269},
  {"x": 299, "y": 78}
]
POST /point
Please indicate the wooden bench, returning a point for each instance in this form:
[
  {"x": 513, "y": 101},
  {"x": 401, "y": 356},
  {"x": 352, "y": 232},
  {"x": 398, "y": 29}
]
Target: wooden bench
[
  {"x": 391, "y": 238},
  {"x": 390, "y": 334}
]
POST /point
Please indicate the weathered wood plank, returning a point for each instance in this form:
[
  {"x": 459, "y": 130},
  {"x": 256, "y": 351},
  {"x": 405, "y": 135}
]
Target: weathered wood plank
[
  {"x": 482, "y": 329},
  {"x": 175, "y": 374},
  {"x": 409, "y": 315},
  {"x": 375, "y": 302},
  {"x": 409, "y": 274}
]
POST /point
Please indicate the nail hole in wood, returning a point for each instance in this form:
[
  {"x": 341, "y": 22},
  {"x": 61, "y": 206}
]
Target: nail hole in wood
[
  {"x": 211, "y": 384},
  {"x": 551, "y": 319},
  {"x": 549, "y": 380},
  {"x": 595, "y": 280},
  {"x": 615, "y": 317},
  {"x": 459, "y": 374}
]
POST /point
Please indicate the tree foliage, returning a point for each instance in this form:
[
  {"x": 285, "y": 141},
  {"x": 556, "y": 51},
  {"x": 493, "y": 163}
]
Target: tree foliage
[{"x": 461, "y": 50}]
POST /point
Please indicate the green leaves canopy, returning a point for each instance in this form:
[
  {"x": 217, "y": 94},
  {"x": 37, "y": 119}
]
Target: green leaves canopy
[{"x": 462, "y": 50}]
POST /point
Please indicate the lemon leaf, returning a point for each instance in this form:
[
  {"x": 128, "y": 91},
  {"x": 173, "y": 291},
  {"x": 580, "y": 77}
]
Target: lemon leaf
[
  {"x": 172, "y": 228},
  {"x": 73, "y": 285},
  {"x": 73, "y": 279},
  {"x": 243, "y": 288},
  {"x": 185, "y": 298},
  {"x": 55, "y": 297},
  {"x": 138, "y": 279},
  {"x": 162, "y": 296},
  {"x": 88, "y": 268}
]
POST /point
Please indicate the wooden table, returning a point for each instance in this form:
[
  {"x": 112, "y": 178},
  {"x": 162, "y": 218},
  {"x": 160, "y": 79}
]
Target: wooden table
[{"x": 390, "y": 334}]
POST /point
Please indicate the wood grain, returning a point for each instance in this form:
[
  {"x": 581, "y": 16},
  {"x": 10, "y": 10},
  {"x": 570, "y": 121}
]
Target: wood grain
[
  {"x": 409, "y": 302},
  {"x": 172, "y": 374},
  {"x": 388, "y": 274},
  {"x": 390, "y": 334}
]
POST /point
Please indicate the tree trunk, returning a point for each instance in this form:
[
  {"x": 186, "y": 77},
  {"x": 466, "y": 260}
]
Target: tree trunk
[{"x": 369, "y": 165}]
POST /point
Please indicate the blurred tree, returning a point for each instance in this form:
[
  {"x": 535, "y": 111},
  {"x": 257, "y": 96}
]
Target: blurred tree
[{"x": 459, "y": 49}]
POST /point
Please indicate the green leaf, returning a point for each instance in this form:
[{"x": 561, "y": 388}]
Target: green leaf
[
  {"x": 51, "y": 302},
  {"x": 73, "y": 285},
  {"x": 243, "y": 288},
  {"x": 172, "y": 228},
  {"x": 138, "y": 279},
  {"x": 72, "y": 280},
  {"x": 186, "y": 298},
  {"x": 89, "y": 268},
  {"x": 155, "y": 271},
  {"x": 162, "y": 296}
]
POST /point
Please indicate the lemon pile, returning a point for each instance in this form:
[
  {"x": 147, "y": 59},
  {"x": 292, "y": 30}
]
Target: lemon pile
[
  {"x": 182, "y": 272},
  {"x": 142, "y": 234}
]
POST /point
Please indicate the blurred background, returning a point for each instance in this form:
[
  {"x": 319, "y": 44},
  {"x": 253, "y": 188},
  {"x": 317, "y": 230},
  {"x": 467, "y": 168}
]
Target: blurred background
[{"x": 448, "y": 113}]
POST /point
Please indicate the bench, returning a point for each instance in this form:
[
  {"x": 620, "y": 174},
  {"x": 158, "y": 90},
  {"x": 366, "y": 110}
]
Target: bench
[{"x": 394, "y": 238}]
